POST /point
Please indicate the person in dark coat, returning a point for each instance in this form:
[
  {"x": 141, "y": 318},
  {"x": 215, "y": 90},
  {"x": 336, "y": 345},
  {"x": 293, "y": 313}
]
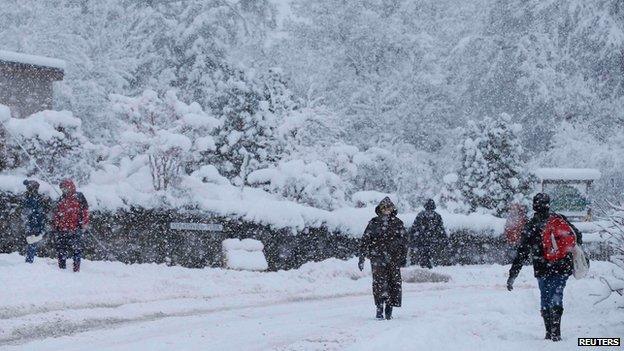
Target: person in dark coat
[
  {"x": 34, "y": 208},
  {"x": 551, "y": 275},
  {"x": 385, "y": 244},
  {"x": 70, "y": 220},
  {"x": 428, "y": 239}
]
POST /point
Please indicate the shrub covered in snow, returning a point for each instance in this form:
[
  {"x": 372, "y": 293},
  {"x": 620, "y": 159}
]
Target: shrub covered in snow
[
  {"x": 56, "y": 143},
  {"x": 310, "y": 183},
  {"x": 173, "y": 135}
]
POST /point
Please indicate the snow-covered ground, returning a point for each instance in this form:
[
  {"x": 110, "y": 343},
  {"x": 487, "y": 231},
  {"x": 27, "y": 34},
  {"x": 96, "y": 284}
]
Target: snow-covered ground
[{"x": 321, "y": 306}]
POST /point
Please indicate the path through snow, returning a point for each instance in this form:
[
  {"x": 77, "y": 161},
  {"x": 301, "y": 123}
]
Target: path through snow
[{"x": 323, "y": 306}]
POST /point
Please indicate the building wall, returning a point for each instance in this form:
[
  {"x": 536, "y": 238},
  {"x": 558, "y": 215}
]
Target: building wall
[{"x": 25, "y": 91}]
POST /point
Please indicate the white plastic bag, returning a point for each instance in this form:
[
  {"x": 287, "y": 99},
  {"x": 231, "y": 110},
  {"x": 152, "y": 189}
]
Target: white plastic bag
[
  {"x": 581, "y": 265},
  {"x": 31, "y": 239}
]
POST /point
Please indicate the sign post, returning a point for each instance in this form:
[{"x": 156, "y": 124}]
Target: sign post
[{"x": 202, "y": 227}]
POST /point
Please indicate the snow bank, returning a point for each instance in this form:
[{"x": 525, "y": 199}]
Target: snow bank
[
  {"x": 10, "y": 56},
  {"x": 5, "y": 113},
  {"x": 245, "y": 255},
  {"x": 567, "y": 174}
]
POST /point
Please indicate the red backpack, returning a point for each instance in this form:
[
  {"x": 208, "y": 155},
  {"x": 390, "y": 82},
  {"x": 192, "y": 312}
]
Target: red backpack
[{"x": 558, "y": 238}]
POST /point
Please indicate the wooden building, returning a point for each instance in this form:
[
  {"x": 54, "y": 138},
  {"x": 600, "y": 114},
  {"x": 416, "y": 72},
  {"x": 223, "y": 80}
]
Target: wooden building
[{"x": 26, "y": 82}]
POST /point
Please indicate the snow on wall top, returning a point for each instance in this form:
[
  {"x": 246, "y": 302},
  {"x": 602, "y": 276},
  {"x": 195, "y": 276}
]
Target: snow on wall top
[
  {"x": 567, "y": 173},
  {"x": 250, "y": 204},
  {"x": 17, "y": 57}
]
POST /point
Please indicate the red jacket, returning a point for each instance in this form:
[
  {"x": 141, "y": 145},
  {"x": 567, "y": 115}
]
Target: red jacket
[{"x": 72, "y": 210}]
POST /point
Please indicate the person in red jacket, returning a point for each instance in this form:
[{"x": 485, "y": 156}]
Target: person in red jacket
[{"x": 70, "y": 220}]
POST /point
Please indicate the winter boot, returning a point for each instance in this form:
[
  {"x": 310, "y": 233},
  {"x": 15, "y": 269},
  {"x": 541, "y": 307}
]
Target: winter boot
[
  {"x": 388, "y": 312},
  {"x": 555, "y": 331},
  {"x": 546, "y": 314},
  {"x": 380, "y": 310},
  {"x": 76, "y": 266},
  {"x": 62, "y": 263}
]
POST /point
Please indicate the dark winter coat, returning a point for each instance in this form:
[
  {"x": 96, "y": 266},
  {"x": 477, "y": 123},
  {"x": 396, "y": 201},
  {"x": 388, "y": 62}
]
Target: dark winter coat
[
  {"x": 427, "y": 236},
  {"x": 385, "y": 244},
  {"x": 531, "y": 245},
  {"x": 385, "y": 238},
  {"x": 34, "y": 208}
]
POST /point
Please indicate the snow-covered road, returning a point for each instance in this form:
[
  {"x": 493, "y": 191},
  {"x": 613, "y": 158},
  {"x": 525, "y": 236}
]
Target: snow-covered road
[{"x": 323, "y": 306}]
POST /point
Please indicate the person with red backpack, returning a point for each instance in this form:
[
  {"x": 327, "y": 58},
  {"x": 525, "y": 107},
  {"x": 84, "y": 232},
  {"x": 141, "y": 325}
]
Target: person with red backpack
[
  {"x": 549, "y": 238},
  {"x": 70, "y": 220}
]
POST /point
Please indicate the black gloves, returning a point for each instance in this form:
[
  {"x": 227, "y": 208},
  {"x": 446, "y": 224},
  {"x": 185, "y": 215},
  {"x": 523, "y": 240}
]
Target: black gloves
[
  {"x": 361, "y": 264},
  {"x": 510, "y": 282}
]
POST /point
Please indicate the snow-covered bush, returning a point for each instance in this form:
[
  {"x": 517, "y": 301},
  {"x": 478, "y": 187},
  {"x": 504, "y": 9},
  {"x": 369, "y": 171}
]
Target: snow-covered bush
[
  {"x": 174, "y": 136},
  {"x": 310, "y": 183},
  {"x": 492, "y": 172},
  {"x": 55, "y": 141}
]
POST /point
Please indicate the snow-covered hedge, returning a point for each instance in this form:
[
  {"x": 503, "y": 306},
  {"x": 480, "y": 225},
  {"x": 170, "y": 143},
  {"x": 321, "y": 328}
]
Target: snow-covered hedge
[{"x": 211, "y": 193}]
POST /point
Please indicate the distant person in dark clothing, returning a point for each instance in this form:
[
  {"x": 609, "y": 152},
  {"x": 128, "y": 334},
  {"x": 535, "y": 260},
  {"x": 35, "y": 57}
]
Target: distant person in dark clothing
[
  {"x": 34, "y": 208},
  {"x": 71, "y": 219},
  {"x": 551, "y": 273},
  {"x": 428, "y": 238},
  {"x": 385, "y": 244}
]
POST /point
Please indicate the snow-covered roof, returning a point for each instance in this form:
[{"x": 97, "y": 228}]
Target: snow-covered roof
[
  {"x": 567, "y": 173},
  {"x": 10, "y": 56}
]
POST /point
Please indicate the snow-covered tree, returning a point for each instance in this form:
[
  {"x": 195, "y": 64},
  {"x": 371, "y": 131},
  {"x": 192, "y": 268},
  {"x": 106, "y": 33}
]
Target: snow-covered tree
[
  {"x": 173, "y": 135},
  {"x": 492, "y": 171},
  {"x": 252, "y": 110}
]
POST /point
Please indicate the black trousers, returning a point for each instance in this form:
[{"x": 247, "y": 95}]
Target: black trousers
[
  {"x": 387, "y": 283},
  {"x": 69, "y": 244}
]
